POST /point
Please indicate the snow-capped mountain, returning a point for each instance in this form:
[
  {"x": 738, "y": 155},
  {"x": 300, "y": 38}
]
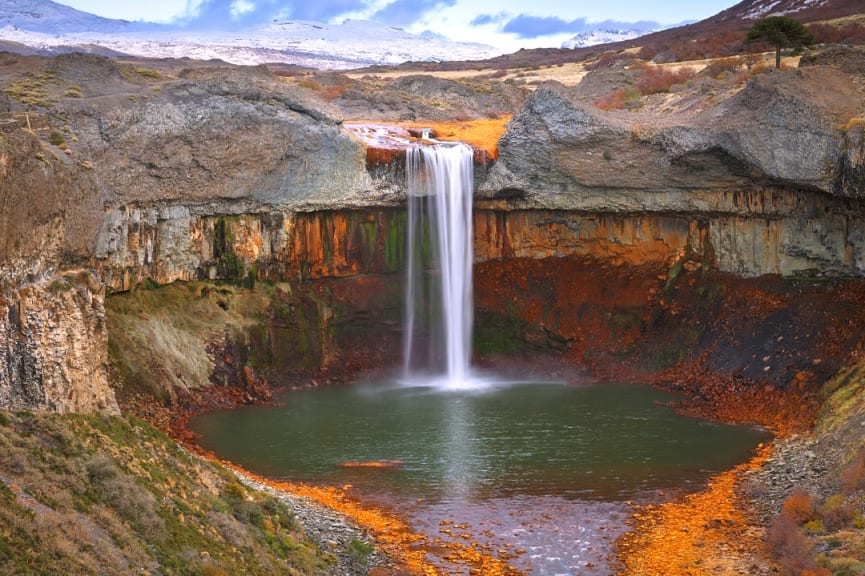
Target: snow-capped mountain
[
  {"x": 52, "y": 18},
  {"x": 50, "y": 28},
  {"x": 594, "y": 37}
]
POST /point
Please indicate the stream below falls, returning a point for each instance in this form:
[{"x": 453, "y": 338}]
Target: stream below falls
[{"x": 539, "y": 474}]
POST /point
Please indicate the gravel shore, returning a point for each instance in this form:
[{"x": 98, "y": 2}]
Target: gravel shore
[{"x": 333, "y": 532}]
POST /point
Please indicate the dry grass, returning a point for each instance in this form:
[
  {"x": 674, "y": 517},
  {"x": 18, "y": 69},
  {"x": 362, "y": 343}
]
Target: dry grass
[
  {"x": 568, "y": 74},
  {"x": 158, "y": 338},
  {"x": 32, "y": 90},
  {"x": 94, "y": 495},
  {"x": 185, "y": 361}
]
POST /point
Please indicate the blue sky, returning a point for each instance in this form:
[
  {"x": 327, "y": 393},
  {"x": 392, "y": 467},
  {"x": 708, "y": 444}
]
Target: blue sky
[{"x": 506, "y": 24}]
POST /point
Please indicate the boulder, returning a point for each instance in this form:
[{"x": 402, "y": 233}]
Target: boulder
[{"x": 784, "y": 129}]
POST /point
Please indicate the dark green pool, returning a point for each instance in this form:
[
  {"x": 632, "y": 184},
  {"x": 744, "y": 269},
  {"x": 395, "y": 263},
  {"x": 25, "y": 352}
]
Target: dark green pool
[
  {"x": 545, "y": 468},
  {"x": 596, "y": 442}
]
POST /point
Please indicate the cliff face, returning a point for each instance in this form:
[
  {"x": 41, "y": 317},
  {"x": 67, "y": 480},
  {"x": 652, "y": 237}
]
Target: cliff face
[
  {"x": 770, "y": 175},
  {"x": 135, "y": 150},
  {"x": 54, "y": 347},
  {"x": 176, "y": 172},
  {"x": 122, "y": 169}
]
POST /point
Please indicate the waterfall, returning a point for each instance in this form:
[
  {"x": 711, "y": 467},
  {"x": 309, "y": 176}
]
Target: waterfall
[{"x": 440, "y": 179}]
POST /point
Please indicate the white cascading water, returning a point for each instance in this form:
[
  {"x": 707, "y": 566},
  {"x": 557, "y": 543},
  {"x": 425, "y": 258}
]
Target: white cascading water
[{"x": 440, "y": 179}]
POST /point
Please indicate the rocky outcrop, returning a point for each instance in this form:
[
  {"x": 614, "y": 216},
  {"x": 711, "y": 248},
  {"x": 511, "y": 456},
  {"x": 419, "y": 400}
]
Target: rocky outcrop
[
  {"x": 784, "y": 128},
  {"x": 54, "y": 347},
  {"x": 788, "y": 127},
  {"x": 151, "y": 146},
  {"x": 122, "y": 174},
  {"x": 767, "y": 174},
  {"x": 179, "y": 242}
]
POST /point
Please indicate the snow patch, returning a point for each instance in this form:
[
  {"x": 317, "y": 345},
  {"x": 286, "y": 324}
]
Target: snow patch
[
  {"x": 595, "y": 37},
  {"x": 779, "y": 8}
]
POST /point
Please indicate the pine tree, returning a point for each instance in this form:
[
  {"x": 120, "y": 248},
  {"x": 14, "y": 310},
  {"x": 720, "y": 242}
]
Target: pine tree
[{"x": 781, "y": 32}]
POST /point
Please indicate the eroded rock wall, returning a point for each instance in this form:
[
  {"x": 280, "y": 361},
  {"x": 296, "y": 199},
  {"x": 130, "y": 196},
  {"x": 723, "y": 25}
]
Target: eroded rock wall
[
  {"x": 766, "y": 233},
  {"x": 54, "y": 347}
]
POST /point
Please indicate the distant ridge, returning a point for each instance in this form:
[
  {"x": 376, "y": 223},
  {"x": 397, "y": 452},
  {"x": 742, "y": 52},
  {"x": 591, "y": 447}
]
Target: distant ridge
[{"x": 727, "y": 27}]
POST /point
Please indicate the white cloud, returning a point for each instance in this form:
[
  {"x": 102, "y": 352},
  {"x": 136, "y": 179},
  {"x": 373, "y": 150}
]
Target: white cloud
[
  {"x": 192, "y": 8},
  {"x": 241, "y": 7}
]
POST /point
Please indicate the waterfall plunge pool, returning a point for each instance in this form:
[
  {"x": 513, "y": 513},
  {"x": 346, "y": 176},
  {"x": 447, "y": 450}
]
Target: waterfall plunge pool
[{"x": 539, "y": 467}]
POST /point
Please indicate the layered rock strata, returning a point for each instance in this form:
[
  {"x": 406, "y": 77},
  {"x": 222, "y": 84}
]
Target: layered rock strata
[{"x": 226, "y": 174}]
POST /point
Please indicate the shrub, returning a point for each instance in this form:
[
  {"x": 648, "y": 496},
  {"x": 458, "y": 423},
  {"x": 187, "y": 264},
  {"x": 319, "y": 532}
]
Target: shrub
[
  {"x": 606, "y": 60},
  {"x": 499, "y": 73},
  {"x": 853, "y": 475},
  {"x": 283, "y": 517},
  {"x": 759, "y": 68},
  {"x": 148, "y": 73},
  {"x": 359, "y": 551},
  {"x": 333, "y": 92},
  {"x": 846, "y": 566},
  {"x": 625, "y": 97},
  {"x": 786, "y": 543},
  {"x": 828, "y": 34},
  {"x": 656, "y": 80},
  {"x": 799, "y": 507},
  {"x": 119, "y": 490},
  {"x": 836, "y": 512},
  {"x": 231, "y": 530},
  {"x": 56, "y": 138},
  {"x": 734, "y": 78},
  {"x": 721, "y": 65},
  {"x": 815, "y": 526},
  {"x": 309, "y": 85},
  {"x": 714, "y": 45}
]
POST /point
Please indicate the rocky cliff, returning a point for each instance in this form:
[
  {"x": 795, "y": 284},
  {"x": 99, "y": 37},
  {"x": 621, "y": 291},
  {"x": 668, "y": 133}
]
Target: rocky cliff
[
  {"x": 176, "y": 171},
  {"x": 770, "y": 174},
  {"x": 123, "y": 169},
  {"x": 54, "y": 347}
]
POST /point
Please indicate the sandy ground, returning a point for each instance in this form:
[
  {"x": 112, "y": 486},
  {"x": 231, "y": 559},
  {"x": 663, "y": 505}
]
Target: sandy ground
[{"x": 567, "y": 74}]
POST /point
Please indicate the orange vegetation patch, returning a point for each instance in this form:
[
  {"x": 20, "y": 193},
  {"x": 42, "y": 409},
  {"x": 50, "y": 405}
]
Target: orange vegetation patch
[
  {"x": 482, "y": 133},
  {"x": 727, "y": 398},
  {"x": 386, "y": 143},
  {"x": 372, "y": 464},
  {"x": 704, "y": 534}
]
